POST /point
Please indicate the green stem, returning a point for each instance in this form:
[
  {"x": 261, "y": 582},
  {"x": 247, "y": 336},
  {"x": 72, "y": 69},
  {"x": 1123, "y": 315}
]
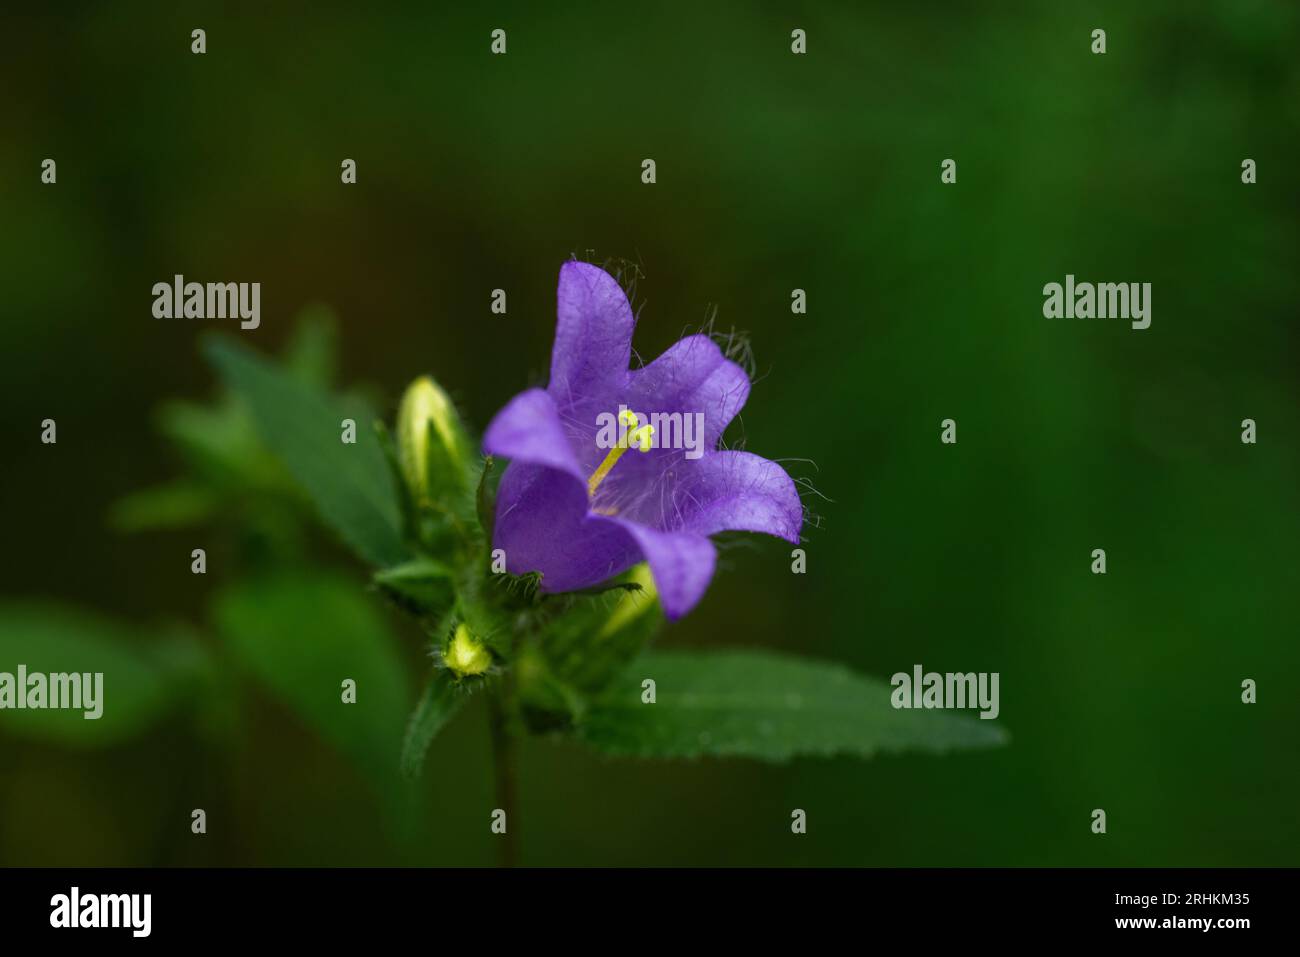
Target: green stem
[{"x": 503, "y": 763}]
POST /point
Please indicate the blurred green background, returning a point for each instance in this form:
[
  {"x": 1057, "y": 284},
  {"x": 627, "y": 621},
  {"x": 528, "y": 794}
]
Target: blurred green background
[{"x": 775, "y": 172}]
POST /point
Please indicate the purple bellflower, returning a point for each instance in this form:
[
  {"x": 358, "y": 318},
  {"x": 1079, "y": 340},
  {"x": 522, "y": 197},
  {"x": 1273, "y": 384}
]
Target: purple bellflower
[{"x": 574, "y": 507}]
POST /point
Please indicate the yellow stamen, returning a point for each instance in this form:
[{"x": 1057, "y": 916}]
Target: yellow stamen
[{"x": 640, "y": 437}]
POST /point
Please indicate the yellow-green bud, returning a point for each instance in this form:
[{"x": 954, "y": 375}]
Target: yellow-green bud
[
  {"x": 633, "y": 606},
  {"x": 431, "y": 444},
  {"x": 591, "y": 644},
  {"x": 466, "y": 655}
]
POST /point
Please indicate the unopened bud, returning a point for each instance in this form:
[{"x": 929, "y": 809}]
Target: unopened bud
[
  {"x": 431, "y": 445},
  {"x": 465, "y": 654}
]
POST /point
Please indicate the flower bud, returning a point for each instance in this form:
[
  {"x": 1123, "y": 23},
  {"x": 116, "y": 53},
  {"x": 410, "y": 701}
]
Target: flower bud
[
  {"x": 593, "y": 642},
  {"x": 465, "y": 654},
  {"x": 431, "y": 445}
]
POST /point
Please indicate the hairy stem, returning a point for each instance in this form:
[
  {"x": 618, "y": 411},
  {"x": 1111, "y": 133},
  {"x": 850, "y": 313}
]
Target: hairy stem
[{"x": 503, "y": 763}]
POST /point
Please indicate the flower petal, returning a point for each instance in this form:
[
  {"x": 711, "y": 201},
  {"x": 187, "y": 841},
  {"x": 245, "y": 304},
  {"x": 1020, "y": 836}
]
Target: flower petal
[
  {"x": 593, "y": 332},
  {"x": 681, "y": 562},
  {"x": 692, "y": 375},
  {"x": 543, "y": 525},
  {"x": 529, "y": 429},
  {"x": 735, "y": 491}
]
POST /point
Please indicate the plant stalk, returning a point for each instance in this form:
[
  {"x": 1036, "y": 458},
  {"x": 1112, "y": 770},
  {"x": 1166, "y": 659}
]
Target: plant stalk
[{"x": 503, "y": 765}]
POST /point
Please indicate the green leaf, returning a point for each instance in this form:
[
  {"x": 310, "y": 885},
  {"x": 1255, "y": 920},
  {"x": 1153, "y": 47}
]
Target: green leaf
[
  {"x": 441, "y": 699},
  {"x": 143, "y": 681},
  {"x": 350, "y": 483},
  {"x": 301, "y": 637},
  {"x": 219, "y": 442},
  {"x": 423, "y": 585},
  {"x": 311, "y": 354},
  {"x": 175, "y": 504},
  {"x": 768, "y": 706}
]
